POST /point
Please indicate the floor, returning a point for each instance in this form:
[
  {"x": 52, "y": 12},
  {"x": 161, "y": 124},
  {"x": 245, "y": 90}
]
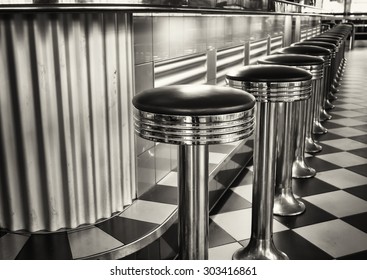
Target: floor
[{"x": 334, "y": 225}]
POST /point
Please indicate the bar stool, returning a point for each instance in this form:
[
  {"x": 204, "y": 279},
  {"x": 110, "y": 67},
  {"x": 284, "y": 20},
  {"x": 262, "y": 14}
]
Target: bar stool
[
  {"x": 327, "y": 95},
  {"x": 275, "y": 88},
  {"x": 303, "y": 112},
  {"x": 325, "y": 54},
  {"x": 335, "y": 65},
  {"x": 193, "y": 117}
]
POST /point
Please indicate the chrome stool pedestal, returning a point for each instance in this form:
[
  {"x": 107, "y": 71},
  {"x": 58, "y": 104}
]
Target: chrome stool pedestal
[
  {"x": 317, "y": 100},
  {"x": 273, "y": 87},
  {"x": 326, "y": 105},
  {"x": 302, "y": 113},
  {"x": 193, "y": 117}
]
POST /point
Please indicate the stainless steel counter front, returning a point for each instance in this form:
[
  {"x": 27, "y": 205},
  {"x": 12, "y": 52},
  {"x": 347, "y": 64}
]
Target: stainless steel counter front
[{"x": 66, "y": 140}]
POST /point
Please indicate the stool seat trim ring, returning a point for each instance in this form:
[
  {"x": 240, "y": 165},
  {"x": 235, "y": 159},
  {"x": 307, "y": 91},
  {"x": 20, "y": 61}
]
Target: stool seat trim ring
[{"x": 194, "y": 130}]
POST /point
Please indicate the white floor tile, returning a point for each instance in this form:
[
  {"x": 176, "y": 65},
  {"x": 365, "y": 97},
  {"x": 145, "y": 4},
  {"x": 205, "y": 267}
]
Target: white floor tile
[
  {"x": 345, "y": 144},
  {"x": 10, "y": 245},
  {"x": 223, "y": 252},
  {"x": 338, "y": 203},
  {"x": 238, "y": 223},
  {"x": 335, "y": 237},
  {"x": 148, "y": 211},
  {"x": 169, "y": 180},
  {"x": 342, "y": 178},
  {"x": 343, "y": 159},
  {"x": 244, "y": 191},
  {"x": 350, "y": 106},
  {"x": 91, "y": 241},
  {"x": 347, "y": 131},
  {"x": 216, "y": 158}
]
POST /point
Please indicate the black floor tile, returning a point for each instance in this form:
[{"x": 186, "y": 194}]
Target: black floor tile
[
  {"x": 287, "y": 241},
  {"x": 361, "y": 127},
  {"x": 326, "y": 149},
  {"x": 150, "y": 252},
  {"x": 230, "y": 201},
  {"x": 360, "y": 191},
  {"x": 126, "y": 230},
  {"x": 330, "y": 125},
  {"x": 327, "y": 136},
  {"x": 356, "y": 256},
  {"x": 361, "y": 118},
  {"x": 362, "y": 138},
  {"x": 244, "y": 178},
  {"x": 359, "y": 221},
  {"x": 169, "y": 243},
  {"x": 2, "y": 233},
  {"x": 46, "y": 247},
  {"x": 311, "y": 186},
  {"x": 312, "y": 215},
  {"x": 250, "y": 143},
  {"x": 360, "y": 169},
  {"x": 320, "y": 165},
  {"x": 163, "y": 194},
  {"x": 360, "y": 152},
  {"x": 218, "y": 236}
]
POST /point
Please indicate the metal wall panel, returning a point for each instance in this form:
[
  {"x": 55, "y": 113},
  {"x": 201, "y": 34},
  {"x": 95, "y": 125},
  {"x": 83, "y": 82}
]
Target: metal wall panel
[
  {"x": 183, "y": 70},
  {"x": 66, "y": 144},
  {"x": 227, "y": 59}
]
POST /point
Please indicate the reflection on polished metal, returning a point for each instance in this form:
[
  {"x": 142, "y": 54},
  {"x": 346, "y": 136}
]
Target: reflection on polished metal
[
  {"x": 302, "y": 110},
  {"x": 193, "y": 117},
  {"x": 285, "y": 204},
  {"x": 271, "y": 89}
]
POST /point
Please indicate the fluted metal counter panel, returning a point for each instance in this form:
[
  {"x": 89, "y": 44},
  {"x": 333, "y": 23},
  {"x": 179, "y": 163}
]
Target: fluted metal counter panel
[{"x": 65, "y": 140}]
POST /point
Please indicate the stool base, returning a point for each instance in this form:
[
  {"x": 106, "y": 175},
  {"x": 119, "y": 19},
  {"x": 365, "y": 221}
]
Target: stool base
[
  {"x": 312, "y": 147},
  {"x": 324, "y": 116},
  {"x": 259, "y": 250},
  {"x": 285, "y": 204},
  {"x": 318, "y": 128},
  {"x": 301, "y": 170}
]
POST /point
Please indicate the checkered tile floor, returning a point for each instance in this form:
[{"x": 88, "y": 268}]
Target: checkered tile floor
[{"x": 334, "y": 225}]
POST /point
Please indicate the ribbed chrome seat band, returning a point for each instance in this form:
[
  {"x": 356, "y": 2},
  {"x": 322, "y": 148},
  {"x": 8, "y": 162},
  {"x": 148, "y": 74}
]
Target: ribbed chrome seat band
[
  {"x": 275, "y": 92},
  {"x": 197, "y": 130}
]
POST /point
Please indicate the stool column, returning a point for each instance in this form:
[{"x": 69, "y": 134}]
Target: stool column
[
  {"x": 261, "y": 244},
  {"x": 285, "y": 204},
  {"x": 193, "y": 210}
]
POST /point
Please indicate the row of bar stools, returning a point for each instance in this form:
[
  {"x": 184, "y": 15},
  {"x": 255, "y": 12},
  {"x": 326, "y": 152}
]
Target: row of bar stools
[
  {"x": 303, "y": 120},
  {"x": 275, "y": 89},
  {"x": 193, "y": 117},
  {"x": 326, "y": 105},
  {"x": 325, "y": 54}
]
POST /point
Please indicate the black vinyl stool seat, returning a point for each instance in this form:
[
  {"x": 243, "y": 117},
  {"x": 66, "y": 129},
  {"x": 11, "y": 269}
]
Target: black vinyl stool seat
[
  {"x": 325, "y": 54},
  {"x": 285, "y": 203},
  {"x": 275, "y": 88},
  {"x": 193, "y": 116}
]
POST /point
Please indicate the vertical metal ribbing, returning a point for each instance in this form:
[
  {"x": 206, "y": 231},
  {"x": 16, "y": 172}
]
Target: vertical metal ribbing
[{"x": 66, "y": 136}]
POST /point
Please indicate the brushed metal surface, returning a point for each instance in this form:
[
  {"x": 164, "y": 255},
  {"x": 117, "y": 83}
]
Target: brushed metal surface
[{"x": 65, "y": 136}]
